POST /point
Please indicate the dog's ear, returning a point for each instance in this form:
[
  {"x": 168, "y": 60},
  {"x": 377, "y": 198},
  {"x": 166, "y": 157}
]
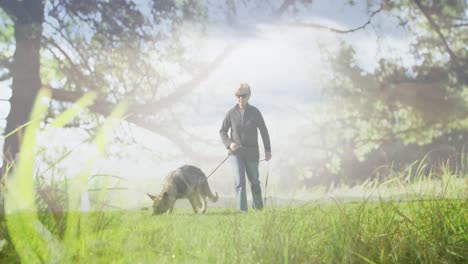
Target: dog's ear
[{"x": 151, "y": 196}]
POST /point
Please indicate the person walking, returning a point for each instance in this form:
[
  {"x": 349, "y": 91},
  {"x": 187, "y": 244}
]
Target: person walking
[{"x": 244, "y": 121}]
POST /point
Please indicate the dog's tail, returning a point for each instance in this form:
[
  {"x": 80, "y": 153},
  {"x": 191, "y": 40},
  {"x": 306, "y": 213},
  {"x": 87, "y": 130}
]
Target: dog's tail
[
  {"x": 213, "y": 198},
  {"x": 207, "y": 191},
  {"x": 206, "y": 188}
]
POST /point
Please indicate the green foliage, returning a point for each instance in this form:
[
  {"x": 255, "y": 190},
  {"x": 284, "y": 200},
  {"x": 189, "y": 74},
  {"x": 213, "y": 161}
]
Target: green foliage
[
  {"x": 7, "y": 31},
  {"x": 373, "y": 119},
  {"x": 6, "y": 42}
]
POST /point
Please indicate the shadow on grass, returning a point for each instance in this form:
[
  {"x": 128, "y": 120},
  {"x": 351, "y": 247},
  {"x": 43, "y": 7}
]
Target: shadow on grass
[
  {"x": 224, "y": 213},
  {"x": 186, "y": 213}
]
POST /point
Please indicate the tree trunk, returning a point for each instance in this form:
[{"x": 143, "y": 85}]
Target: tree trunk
[{"x": 27, "y": 16}]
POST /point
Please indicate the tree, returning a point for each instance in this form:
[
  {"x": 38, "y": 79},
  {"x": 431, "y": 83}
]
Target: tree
[
  {"x": 24, "y": 68},
  {"x": 398, "y": 114}
]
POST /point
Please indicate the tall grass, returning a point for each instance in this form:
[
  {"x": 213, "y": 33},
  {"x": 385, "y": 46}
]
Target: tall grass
[
  {"x": 34, "y": 241},
  {"x": 428, "y": 226},
  {"x": 387, "y": 232}
]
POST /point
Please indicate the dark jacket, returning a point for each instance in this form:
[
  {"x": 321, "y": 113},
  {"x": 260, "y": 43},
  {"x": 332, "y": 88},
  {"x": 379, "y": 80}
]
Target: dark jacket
[{"x": 244, "y": 132}]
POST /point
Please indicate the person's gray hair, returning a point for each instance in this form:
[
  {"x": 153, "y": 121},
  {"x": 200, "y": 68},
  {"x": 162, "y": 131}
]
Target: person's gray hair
[{"x": 244, "y": 88}]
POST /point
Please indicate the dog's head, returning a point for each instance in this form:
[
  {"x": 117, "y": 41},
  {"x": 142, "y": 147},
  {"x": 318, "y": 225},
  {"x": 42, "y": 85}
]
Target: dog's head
[{"x": 160, "y": 203}]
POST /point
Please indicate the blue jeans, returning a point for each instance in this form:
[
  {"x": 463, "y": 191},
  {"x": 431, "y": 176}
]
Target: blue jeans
[{"x": 241, "y": 166}]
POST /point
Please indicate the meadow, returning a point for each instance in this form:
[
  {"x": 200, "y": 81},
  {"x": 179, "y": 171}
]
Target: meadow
[{"x": 432, "y": 231}]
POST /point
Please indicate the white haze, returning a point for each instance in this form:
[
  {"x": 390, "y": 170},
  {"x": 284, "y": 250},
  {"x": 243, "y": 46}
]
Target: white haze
[{"x": 283, "y": 66}]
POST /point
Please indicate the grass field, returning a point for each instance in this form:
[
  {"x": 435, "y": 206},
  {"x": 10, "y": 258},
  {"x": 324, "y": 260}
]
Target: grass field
[{"x": 433, "y": 231}]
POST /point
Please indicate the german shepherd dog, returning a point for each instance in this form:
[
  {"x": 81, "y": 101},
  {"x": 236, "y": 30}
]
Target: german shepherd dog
[{"x": 185, "y": 182}]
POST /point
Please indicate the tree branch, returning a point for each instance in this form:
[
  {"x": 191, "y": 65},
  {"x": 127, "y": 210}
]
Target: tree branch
[
  {"x": 452, "y": 55},
  {"x": 137, "y": 112},
  {"x": 105, "y": 109},
  {"x": 167, "y": 101},
  {"x": 99, "y": 107},
  {"x": 286, "y": 4},
  {"x": 459, "y": 25},
  {"x": 183, "y": 89},
  {"x": 335, "y": 30},
  {"x": 69, "y": 42},
  {"x": 76, "y": 75}
]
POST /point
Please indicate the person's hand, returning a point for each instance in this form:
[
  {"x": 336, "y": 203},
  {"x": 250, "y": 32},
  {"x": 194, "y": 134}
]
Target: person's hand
[
  {"x": 233, "y": 146},
  {"x": 267, "y": 156}
]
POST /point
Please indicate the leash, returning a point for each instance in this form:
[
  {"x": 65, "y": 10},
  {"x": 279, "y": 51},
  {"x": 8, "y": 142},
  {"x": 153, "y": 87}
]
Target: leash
[
  {"x": 229, "y": 154},
  {"x": 218, "y": 166},
  {"x": 266, "y": 184}
]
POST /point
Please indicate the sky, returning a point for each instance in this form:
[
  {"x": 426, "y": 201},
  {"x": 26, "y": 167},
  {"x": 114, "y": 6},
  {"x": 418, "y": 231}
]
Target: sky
[{"x": 281, "y": 63}]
